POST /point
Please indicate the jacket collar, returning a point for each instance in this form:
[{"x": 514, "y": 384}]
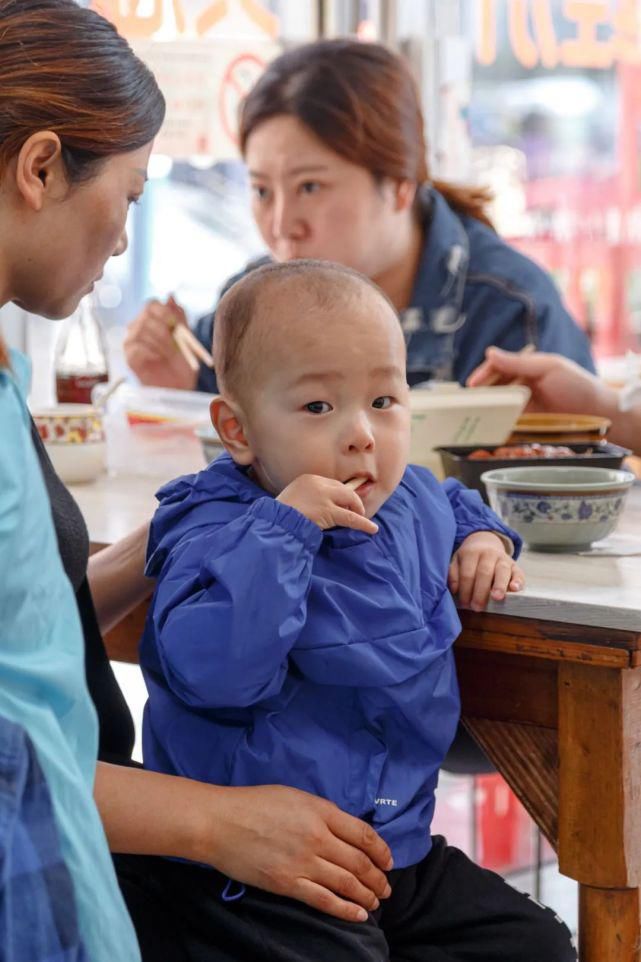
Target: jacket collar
[
  {"x": 223, "y": 481},
  {"x": 437, "y": 298},
  {"x": 230, "y": 482},
  {"x": 238, "y": 485}
]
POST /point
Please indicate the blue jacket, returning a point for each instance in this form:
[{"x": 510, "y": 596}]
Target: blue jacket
[
  {"x": 275, "y": 652},
  {"x": 471, "y": 290}
]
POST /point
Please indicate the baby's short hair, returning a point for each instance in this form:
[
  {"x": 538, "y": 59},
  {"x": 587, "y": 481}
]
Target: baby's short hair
[{"x": 322, "y": 283}]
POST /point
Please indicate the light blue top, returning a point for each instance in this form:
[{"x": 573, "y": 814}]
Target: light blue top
[{"x": 42, "y": 678}]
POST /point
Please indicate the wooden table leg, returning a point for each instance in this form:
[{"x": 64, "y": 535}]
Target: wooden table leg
[
  {"x": 609, "y": 925},
  {"x": 600, "y": 805}
]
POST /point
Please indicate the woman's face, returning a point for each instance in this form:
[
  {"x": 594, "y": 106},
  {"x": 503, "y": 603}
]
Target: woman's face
[
  {"x": 74, "y": 235},
  {"x": 308, "y": 201}
]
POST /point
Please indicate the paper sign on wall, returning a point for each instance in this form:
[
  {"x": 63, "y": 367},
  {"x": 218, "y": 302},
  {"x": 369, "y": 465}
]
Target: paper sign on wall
[{"x": 204, "y": 82}]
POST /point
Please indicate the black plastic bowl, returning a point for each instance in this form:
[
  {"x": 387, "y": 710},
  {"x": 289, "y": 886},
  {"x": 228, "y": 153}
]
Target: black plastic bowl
[{"x": 594, "y": 454}]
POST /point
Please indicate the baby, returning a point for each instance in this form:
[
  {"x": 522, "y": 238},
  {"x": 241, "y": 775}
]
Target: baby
[{"x": 302, "y": 626}]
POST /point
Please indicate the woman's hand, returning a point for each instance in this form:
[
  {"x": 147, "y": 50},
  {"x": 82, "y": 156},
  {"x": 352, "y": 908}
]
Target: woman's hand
[
  {"x": 556, "y": 383},
  {"x": 298, "y": 845},
  {"x": 482, "y": 568},
  {"x": 117, "y": 581},
  {"x": 150, "y": 349},
  {"x": 269, "y": 836}
]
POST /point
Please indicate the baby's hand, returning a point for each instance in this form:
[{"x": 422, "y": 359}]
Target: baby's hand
[
  {"x": 482, "y": 567},
  {"x": 327, "y": 503}
]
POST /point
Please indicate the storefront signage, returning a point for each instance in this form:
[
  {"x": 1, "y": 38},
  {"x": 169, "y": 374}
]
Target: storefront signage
[
  {"x": 143, "y": 19},
  {"x": 597, "y": 33},
  {"x": 206, "y": 56}
]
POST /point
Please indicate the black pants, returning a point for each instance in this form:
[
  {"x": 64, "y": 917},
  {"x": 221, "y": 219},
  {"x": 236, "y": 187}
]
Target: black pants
[{"x": 445, "y": 909}]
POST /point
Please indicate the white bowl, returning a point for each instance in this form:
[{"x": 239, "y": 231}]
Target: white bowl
[
  {"x": 74, "y": 437},
  {"x": 556, "y": 508},
  {"x": 78, "y": 463}
]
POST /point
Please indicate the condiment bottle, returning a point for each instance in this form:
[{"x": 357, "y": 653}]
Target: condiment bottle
[{"x": 80, "y": 358}]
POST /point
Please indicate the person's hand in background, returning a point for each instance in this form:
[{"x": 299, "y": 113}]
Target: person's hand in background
[
  {"x": 556, "y": 383},
  {"x": 151, "y": 351}
]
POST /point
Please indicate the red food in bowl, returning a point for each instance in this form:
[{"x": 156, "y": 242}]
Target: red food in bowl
[{"x": 522, "y": 451}]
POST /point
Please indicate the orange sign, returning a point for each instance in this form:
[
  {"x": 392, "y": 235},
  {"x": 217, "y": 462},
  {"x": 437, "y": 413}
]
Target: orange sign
[
  {"x": 124, "y": 14},
  {"x": 604, "y": 33}
]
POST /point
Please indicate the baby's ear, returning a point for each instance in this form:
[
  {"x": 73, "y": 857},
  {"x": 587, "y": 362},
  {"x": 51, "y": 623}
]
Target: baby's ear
[{"x": 227, "y": 419}]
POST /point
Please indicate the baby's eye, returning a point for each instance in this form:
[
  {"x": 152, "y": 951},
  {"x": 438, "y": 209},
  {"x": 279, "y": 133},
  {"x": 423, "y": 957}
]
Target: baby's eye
[
  {"x": 318, "y": 407},
  {"x": 382, "y": 402},
  {"x": 309, "y": 187},
  {"x": 259, "y": 192}
]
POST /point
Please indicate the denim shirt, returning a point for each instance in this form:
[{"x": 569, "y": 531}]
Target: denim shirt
[
  {"x": 38, "y": 918},
  {"x": 471, "y": 290}
]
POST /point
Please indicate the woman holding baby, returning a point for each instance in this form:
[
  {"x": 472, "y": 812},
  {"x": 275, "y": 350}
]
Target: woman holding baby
[{"x": 66, "y": 182}]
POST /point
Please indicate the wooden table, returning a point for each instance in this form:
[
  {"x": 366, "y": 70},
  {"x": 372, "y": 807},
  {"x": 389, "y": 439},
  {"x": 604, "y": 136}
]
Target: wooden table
[{"x": 551, "y": 688}]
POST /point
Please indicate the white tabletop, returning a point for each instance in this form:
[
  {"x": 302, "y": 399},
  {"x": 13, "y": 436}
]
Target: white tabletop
[{"x": 596, "y": 589}]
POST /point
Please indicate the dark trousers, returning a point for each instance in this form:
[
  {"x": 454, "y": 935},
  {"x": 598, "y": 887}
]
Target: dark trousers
[{"x": 445, "y": 909}]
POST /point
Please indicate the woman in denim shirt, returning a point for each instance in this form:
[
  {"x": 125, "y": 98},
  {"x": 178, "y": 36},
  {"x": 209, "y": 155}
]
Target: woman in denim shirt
[{"x": 332, "y": 135}]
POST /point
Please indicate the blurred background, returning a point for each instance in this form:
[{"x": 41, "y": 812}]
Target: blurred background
[{"x": 540, "y": 99}]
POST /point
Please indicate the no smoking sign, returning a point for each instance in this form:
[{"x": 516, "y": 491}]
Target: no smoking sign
[
  {"x": 240, "y": 76},
  {"x": 204, "y": 83}
]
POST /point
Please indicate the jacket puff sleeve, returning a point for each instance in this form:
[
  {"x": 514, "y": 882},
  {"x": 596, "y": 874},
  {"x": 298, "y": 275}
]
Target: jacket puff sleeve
[
  {"x": 231, "y": 604},
  {"x": 472, "y": 514}
]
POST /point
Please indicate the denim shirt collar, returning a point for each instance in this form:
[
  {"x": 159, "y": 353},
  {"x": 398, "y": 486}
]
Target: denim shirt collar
[{"x": 436, "y": 306}]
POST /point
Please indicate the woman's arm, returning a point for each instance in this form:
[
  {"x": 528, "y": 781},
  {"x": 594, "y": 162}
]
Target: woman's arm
[
  {"x": 275, "y": 838},
  {"x": 117, "y": 580}
]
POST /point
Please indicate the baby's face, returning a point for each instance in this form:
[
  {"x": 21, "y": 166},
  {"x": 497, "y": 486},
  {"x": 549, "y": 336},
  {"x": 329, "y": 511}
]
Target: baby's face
[{"x": 333, "y": 398}]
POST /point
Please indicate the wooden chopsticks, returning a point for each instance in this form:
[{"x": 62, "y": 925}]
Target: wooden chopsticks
[
  {"x": 190, "y": 347},
  {"x": 354, "y": 483}
]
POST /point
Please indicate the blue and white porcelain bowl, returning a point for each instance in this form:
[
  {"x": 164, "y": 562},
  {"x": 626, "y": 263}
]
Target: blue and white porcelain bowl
[{"x": 558, "y": 509}]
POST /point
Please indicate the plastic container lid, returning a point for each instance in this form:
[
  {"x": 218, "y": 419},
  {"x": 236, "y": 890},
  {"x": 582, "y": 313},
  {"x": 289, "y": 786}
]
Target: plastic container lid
[{"x": 161, "y": 406}]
